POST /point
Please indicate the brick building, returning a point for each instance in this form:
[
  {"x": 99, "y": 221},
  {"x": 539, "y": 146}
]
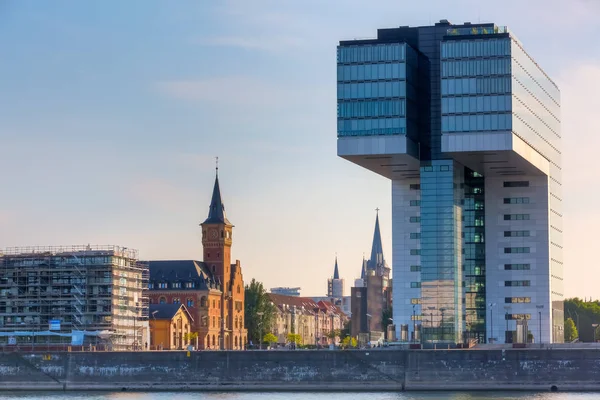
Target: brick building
[{"x": 212, "y": 290}]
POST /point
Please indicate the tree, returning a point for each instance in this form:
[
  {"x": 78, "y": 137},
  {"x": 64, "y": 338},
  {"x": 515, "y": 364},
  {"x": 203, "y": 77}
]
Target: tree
[
  {"x": 259, "y": 312},
  {"x": 191, "y": 336},
  {"x": 570, "y": 330},
  {"x": 270, "y": 338},
  {"x": 333, "y": 334},
  {"x": 584, "y": 314},
  {"x": 294, "y": 338},
  {"x": 349, "y": 342}
]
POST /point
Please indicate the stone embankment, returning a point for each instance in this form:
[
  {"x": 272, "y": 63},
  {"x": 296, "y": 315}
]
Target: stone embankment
[{"x": 361, "y": 370}]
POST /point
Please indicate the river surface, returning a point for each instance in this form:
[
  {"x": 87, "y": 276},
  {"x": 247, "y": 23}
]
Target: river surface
[{"x": 299, "y": 396}]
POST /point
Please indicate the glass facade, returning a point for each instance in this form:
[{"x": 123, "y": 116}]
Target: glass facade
[
  {"x": 441, "y": 249},
  {"x": 476, "y": 90},
  {"x": 463, "y": 84},
  {"x": 375, "y": 89}
]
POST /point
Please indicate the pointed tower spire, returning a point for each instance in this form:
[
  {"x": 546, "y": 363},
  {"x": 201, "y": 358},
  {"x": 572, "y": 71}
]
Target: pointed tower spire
[
  {"x": 216, "y": 213},
  {"x": 377, "y": 247},
  {"x": 336, "y": 273},
  {"x": 363, "y": 270}
]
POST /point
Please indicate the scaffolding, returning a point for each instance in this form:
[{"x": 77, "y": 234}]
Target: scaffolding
[{"x": 91, "y": 292}]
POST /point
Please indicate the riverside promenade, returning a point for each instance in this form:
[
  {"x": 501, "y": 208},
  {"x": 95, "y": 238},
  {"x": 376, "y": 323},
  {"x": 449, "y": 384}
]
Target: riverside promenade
[{"x": 543, "y": 369}]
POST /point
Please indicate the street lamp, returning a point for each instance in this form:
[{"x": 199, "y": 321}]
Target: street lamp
[
  {"x": 492, "y": 322},
  {"x": 506, "y": 310},
  {"x": 431, "y": 308},
  {"x": 540, "y": 307},
  {"x": 369, "y": 326},
  {"x": 260, "y": 314}
]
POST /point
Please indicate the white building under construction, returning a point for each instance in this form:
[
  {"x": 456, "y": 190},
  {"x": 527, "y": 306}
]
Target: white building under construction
[{"x": 73, "y": 295}]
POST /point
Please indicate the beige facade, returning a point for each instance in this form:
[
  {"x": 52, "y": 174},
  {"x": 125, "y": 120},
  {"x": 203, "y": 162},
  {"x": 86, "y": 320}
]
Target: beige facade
[{"x": 313, "y": 321}]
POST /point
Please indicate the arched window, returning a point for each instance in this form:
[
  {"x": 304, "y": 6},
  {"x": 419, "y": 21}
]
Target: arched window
[
  {"x": 236, "y": 341},
  {"x": 238, "y": 289},
  {"x": 214, "y": 341},
  {"x": 235, "y": 321},
  {"x": 176, "y": 300},
  {"x": 162, "y": 300},
  {"x": 214, "y": 322},
  {"x": 189, "y": 302}
]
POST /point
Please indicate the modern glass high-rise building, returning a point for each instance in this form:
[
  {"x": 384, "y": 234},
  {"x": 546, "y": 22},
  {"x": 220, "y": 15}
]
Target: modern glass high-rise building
[{"x": 466, "y": 125}]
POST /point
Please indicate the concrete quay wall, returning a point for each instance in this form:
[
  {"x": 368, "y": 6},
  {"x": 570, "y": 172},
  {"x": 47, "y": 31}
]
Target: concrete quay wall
[{"x": 395, "y": 370}]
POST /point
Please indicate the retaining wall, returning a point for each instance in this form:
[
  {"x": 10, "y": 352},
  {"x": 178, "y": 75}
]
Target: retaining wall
[{"x": 396, "y": 370}]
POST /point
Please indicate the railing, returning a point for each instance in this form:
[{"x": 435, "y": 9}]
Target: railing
[{"x": 477, "y": 30}]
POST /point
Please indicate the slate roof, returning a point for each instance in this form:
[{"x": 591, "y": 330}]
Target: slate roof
[
  {"x": 166, "y": 311},
  {"x": 216, "y": 212},
  {"x": 183, "y": 271},
  {"x": 377, "y": 247}
]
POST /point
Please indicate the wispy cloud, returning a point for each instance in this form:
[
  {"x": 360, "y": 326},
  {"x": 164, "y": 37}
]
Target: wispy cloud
[
  {"x": 161, "y": 194},
  {"x": 232, "y": 91},
  {"x": 268, "y": 43}
]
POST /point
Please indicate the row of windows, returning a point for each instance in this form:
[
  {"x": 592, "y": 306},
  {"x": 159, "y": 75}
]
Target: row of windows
[
  {"x": 415, "y": 268},
  {"x": 517, "y": 250},
  {"x": 177, "y": 300},
  {"x": 490, "y": 66},
  {"x": 368, "y": 90},
  {"x": 479, "y": 85},
  {"x": 375, "y": 126},
  {"x": 475, "y": 48},
  {"x": 415, "y": 301},
  {"x": 517, "y": 316},
  {"x": 516, "y": 200},
  {"x": 431, "y": 168},
  {"x": 516, "y": 184},
  {"x": 371, "y": 72},
  {"x": 476, "y": 123},
  {"x": 414, "y": 203},
  {"x": 517, "y": 299},
  {"x": 371, "y": 53},
  {"x": 517, "y": 267},
  {"x": 517, "y": 283},
  {"x": 415, "y": 285},
  {"x": 172, "y": 285},
  {"x": 415, "y": 219},
  {"x": 516, "y": 233},
  {"x": 516, "y": 217},
  {"x": 362, "y": 109},
  {"x": 415, "y": 235},
  {"x": 470, "y": 104},
  {"x": 415, "y": 186},
  {"x": 415, "y": 252}
]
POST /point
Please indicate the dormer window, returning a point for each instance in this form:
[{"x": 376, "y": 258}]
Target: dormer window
[
  {"x": 176, "y": 285},
  {"x": 162, "y": 285},
  {"x": 151, "y": 285}
]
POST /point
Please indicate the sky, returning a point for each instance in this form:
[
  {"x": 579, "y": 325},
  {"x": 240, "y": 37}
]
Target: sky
[{"x": 112, "y": 114}]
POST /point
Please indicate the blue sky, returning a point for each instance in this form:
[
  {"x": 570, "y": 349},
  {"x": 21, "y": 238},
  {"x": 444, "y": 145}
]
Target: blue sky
[{"x": 111, "y": 114}]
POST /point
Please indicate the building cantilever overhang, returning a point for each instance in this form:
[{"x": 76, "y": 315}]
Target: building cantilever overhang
[{"x": 392, "y": 156}]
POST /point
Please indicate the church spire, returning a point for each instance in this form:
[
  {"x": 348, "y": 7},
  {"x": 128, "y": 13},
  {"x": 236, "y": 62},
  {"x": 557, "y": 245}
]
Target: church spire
[
  {"x": 336, "y": 273},
  {"x": 216, "y": 213},
  {"x": 363, "y": 270},
  {"x": 377, "y": 247}
]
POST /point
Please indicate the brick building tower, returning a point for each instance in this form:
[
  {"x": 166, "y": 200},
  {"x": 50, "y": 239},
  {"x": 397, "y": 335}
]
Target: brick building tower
[
  {"x": 217, "y": 234},
  {"x": 213, "y": 288}
]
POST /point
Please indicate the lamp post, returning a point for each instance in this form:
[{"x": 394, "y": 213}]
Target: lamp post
[
  {"x": 442, "y": 323},
  {"x": 595, "y": 326},
  {"x": 506, "y": 310},
  {"x": 540, "y": 307},
  {"x": 431, "y": 308},
  {"x": 260, "y": 314},
  {"x": 492, "y": 322},
  {"x": 369, "y": 326}
]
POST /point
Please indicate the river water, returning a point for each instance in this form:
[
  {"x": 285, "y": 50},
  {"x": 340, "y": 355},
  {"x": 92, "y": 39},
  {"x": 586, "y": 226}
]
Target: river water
[{"x": 299, "y": 396}]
